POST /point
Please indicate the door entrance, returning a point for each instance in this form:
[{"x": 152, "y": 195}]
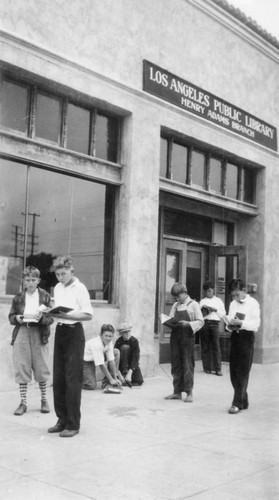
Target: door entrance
[
  {"x": 187, "y": 263},
  {"x": 193, "y": 264}
]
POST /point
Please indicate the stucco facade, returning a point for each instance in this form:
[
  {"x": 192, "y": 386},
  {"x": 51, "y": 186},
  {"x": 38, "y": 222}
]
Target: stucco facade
[{"x": 97, "y": 48}]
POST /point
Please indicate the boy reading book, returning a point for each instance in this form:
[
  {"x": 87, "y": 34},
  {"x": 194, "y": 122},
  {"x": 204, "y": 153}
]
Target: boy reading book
[
  {"x": 213, "y": 310},
  {"x": 186, "y": 320},
  {"x": 244, "y": 320},
  {"x": 30, "y": 337}
]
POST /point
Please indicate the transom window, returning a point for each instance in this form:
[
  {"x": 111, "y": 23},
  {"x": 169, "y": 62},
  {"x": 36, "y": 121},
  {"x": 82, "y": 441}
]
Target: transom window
[
  {"x": 187, "y": 164},
  {"x": 30, "y": 111}
]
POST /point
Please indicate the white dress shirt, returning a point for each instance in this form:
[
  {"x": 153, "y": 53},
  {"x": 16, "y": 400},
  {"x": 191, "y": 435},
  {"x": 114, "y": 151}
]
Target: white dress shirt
[
  {"x": 31, "y": 302},
  {"x": 75, "y": 296},
  {"x": 251, "y": 309},
  {"x": 96, "y": 351},
  {"x": 216, "y": 303}
]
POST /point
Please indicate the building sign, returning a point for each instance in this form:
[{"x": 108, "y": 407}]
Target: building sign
[{"x": 159, "y": 82}]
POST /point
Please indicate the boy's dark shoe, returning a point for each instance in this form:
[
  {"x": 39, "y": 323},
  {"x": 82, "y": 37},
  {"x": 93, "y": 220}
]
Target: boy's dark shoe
[
  {"x": 219, "y": 373},
  {"x": 22, "y": 408},
  {"x": 67, "y": 433},
  {"x": 44, "y": 406},
  {"x": 58, "y": 427},
  {"x": 174, "y": 396}
]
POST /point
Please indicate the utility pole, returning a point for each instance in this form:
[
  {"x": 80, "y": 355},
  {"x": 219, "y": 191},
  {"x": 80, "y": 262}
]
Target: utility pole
[
  {"x": 18, "y": 237},
  {"x": 33, "y": 236}
]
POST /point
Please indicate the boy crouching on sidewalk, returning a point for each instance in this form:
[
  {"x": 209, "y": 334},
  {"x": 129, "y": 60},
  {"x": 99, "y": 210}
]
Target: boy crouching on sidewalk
[{"x": 99, "y": 352}]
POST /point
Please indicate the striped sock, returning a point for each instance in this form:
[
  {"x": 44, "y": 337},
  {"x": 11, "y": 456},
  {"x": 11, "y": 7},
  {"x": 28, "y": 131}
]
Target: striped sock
[
  {"x": 43, "y": 387},
  {"x": 23, "y": 393}
]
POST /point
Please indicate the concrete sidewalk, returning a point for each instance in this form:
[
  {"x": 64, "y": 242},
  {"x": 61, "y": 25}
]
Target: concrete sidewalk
[{"x": 137, "y": 446}]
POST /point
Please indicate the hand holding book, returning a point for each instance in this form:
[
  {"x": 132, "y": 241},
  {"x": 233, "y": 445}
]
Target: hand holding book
[
  {"x": 54, "y": 311},
  {"x": 167, "y": 321},
  {"x": 234, "y": 323}
]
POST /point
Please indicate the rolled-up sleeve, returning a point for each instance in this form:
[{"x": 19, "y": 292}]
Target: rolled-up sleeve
[{"x": 196, "y": 317}]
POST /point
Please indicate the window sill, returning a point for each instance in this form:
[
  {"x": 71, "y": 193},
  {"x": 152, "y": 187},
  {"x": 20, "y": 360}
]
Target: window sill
[{"x": 207, "y": 196}]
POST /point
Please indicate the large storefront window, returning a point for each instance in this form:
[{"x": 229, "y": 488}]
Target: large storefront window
[{"x": 45, "y": 214}]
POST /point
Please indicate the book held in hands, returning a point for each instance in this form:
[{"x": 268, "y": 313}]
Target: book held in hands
[
  {"x": 57, "y": 310},
  {"x": 167, "y": 321}
]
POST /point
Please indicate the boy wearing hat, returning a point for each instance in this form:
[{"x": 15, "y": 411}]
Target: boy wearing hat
[{"x": 129, "y": 349}]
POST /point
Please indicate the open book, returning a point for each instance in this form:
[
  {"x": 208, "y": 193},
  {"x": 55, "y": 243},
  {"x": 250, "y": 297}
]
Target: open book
[
  {"x": 230, "y": 327},
  {"x": 205, "y": 310},
  {"x": 57, "y": 310},
  {"x": 167, "y": 321}
]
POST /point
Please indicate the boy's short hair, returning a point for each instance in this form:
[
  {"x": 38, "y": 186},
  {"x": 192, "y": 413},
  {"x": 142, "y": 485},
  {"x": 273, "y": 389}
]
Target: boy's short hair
[
  {"x": 207, "y": 285},
  {"x": 107, "y": 328},
  {"x": 63, "y": 261},
  {"x": 31, "y": 271},
  {"x": 237, "y": 284},
  {"x": 177, "y": 289}
]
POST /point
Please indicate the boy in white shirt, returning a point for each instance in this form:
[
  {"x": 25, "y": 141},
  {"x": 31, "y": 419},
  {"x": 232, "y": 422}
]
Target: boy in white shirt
[
  {"x": 68, "y": 347},
  {"x": 99, "y": 352},
  {"x": 213, "y": 310},
  {"x": 244, "y": 319}
]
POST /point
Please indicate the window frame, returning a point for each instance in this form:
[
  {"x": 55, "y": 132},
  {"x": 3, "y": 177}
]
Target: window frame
[
  {"x": 110, "y": 250},
  {"x": 211, "y": 153},
  {"x": 33, "y": 89}
]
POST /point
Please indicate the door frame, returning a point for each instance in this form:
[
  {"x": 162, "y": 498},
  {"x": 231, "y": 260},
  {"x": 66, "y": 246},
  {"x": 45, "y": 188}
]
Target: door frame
[
  {"x": 181, "y": 246},
  {"x": 240, "y": 251}
]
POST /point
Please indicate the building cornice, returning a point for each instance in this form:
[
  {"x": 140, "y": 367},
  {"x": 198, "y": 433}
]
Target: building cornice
[
  {"x": 236, "y": 21},
  {"x": 248, "y": 21}
]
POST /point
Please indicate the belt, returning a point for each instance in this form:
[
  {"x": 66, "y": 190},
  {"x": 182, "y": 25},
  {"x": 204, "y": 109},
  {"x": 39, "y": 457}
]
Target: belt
[
  {"x": 211, "y": 321},
  {"x": 29, "y": 325},
  {"x": 68, "y": 325}
]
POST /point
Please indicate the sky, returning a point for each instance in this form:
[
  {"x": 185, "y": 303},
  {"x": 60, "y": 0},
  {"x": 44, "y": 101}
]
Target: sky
[{"x": 264, "y": 12}]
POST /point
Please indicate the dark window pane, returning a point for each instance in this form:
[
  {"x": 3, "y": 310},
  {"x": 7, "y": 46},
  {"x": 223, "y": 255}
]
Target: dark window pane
[
  {"x": 48, "y": 118},
  {"x": 232, "y": 181},
  {"x": 215, "y": 175},
  {"x": 14, "y": 109},
  {"x": 187, "y": 225},
  {"x": 249, "y": 186},
  {"x": 198, "y": 165},
  {"x": 71, "y": 216},
  {"x": 193, "y": 274},
  {"x": 179, "y": 163},
  {"x": 106, "y": 132},
  {"x": 163, "y": 157},
  {"x": 12, "y": 208},
  {"x": 78, "y": 123}
]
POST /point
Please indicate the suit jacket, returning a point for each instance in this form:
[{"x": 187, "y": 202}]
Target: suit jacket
[{"x": 18, "y": 306}]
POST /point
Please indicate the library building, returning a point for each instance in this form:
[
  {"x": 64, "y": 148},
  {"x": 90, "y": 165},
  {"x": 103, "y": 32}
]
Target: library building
[{"x": 148, "y": 152}]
